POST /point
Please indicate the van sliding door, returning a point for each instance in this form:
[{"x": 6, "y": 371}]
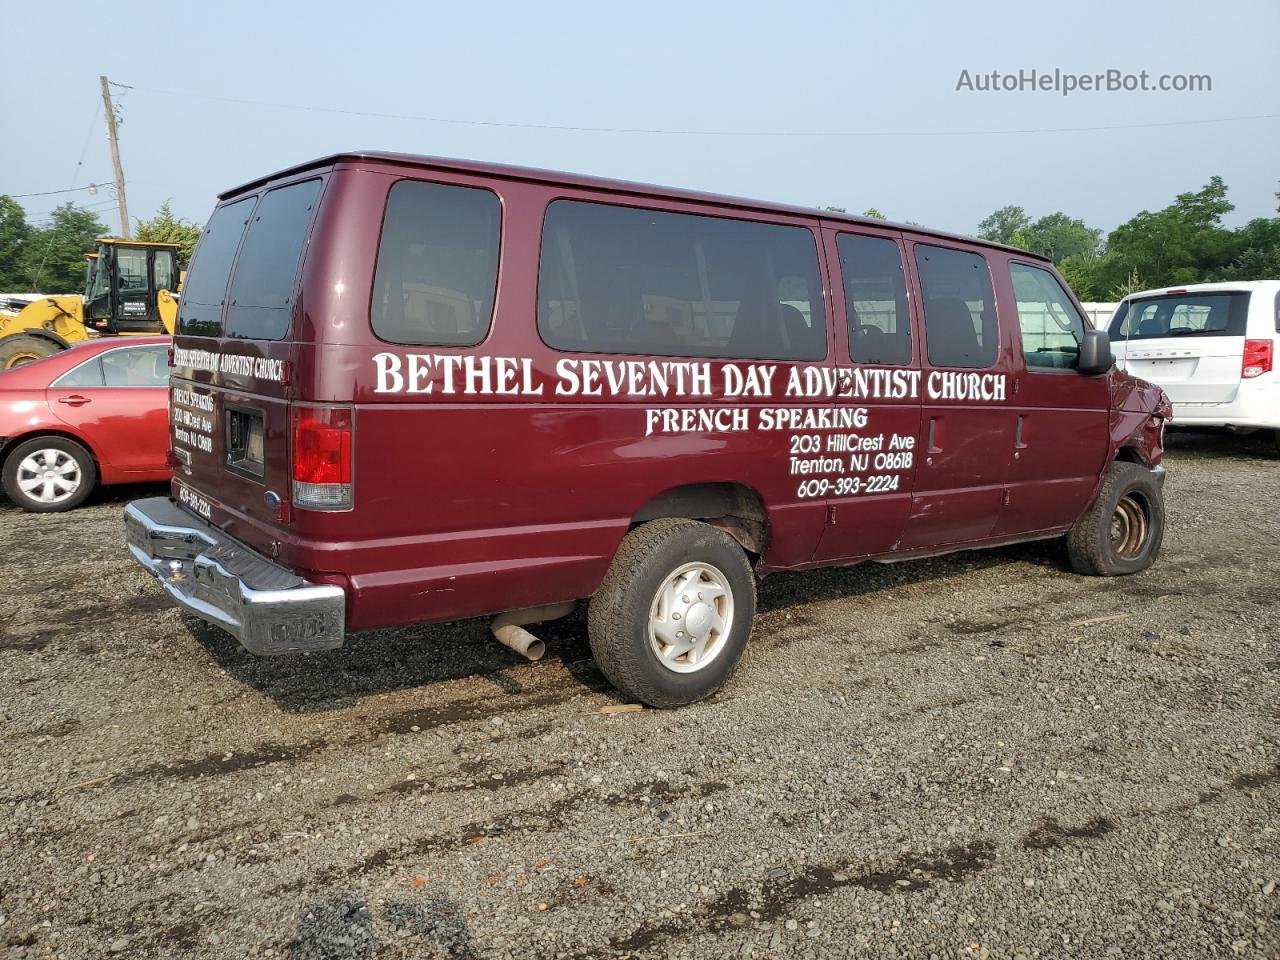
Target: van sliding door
[
  {"x": 869, "y": 501},
  {"x": 967, "y": 427}
]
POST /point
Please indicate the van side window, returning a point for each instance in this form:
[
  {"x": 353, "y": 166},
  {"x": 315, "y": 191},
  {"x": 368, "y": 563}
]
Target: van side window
[
  {"x": 437, "y": 264},
  {"x": 206, "y": 286},
  {"x": 634, "y": 281},
  {"x": 267, "y": 268},
  {"x": 959, "y": 307},
  {"x": 875, "y": 299},
  {"x": 1052, "y": 328}
]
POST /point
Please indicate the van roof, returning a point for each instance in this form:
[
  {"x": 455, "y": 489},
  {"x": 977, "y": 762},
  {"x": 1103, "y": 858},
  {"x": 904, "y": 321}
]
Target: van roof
[{"x": 510, "y": 172}]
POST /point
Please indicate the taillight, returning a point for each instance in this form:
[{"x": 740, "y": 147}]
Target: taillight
[
  {"x": 322, "y": 445},
  {"x": 1257, "y": 358}
]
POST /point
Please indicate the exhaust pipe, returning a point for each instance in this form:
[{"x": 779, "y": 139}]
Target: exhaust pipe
[{"x": 509, "y": 630}]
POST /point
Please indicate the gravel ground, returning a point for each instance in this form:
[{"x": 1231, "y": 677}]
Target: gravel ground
[{"x": 976, "y": 756}]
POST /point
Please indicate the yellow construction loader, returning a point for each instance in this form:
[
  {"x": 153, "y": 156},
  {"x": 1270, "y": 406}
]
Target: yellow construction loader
[{"x": 130, "y": 289}]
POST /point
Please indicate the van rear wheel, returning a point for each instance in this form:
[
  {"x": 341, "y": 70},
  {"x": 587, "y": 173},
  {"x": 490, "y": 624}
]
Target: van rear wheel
[
  {"x": 1122, "y": 532},
  {"x": 671, "y": 619}
]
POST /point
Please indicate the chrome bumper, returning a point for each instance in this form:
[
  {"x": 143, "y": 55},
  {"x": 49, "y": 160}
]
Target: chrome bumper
[{"x": 266, "y": 607}]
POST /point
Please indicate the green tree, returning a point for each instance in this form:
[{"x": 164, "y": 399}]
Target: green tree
[
  {"x": 15, "y": 233},
  {"x": 1183, "y": 243},
  {"x": 164, "y": 227},
  {"x": 1004, "y": 225},
  {"x": 1083, "y": 273},
  {"x": 53, "y": 258},
  {"x": 874, "y": 214},
  {"x": 1257, "y": 252},
  {"x": 1058, "y": 236}
]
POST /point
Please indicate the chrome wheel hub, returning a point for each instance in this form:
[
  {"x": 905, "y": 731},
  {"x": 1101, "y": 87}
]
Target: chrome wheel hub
[
  {"x": 691, "y": 617},
  {"x": 49, "y": 476}
]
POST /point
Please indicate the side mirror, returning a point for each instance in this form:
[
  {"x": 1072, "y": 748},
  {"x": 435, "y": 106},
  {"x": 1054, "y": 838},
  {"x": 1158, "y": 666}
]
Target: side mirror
[{"x": 1095, "y": 353}]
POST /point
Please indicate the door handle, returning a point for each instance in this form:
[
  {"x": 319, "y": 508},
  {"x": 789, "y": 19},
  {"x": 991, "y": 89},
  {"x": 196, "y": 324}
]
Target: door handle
[{"x": 75, "y": 400}]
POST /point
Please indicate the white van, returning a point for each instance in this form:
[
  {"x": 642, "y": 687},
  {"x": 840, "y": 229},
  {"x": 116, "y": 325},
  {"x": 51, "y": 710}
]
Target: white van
[{"x": 1213, "y": 347}]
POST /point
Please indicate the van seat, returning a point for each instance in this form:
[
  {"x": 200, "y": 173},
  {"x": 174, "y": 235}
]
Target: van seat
[{"x": 951, "y": 331}]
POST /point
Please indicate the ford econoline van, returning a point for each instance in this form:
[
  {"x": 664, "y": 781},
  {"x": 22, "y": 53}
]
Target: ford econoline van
[{"x": 409, "y": 389}]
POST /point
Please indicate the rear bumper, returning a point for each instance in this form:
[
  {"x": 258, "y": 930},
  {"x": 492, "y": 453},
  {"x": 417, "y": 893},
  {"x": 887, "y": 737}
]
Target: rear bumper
[
  {"x": 1256, "y": 405},
  {"x": 266, "y": 607}
]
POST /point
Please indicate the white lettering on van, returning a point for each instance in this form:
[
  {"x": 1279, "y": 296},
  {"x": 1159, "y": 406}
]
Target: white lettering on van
[
  {"x": 419, "y": 374},
  {"x": 696, "y": 420},
  {"x": 389, "y": 379},
  {"x": 236, "y": 364},
  {"x": 637, "y": 378},
  {"x": 951, "y": 385},
  {"x": 591, "y": 378},
  {"x": 452, "y": 375}
]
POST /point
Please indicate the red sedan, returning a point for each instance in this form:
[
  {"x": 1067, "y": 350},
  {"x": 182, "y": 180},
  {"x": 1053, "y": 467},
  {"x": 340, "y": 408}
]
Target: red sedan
[{"x": 96, "y": 413}]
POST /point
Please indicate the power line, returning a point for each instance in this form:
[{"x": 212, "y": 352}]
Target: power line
[
  {"x": 45, "y": 216},
  {"x": 50, "y": 193},
  {"x": 697, "y": 133}
]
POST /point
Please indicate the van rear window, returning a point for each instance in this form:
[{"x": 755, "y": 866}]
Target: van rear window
[
  {"x": 437, "y": 264},
  {"x": 267, "y": 269},
  {"x": 206, "y": 284},
  {"x": 634, "y": 281},
  {"x": 1215, "y": 314}
]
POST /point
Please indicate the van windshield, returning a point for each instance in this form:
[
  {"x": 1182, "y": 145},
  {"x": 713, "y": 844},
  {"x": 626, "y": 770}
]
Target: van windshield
[{"x": 1210, "y": 314}]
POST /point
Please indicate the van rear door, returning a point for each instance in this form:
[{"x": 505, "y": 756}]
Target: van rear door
[
  {"x": 1191, "y": 344},
  {"x": 229, "y": 402}
]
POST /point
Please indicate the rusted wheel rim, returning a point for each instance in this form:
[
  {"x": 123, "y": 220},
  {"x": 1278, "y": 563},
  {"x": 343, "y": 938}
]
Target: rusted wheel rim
[
  {"x": 690, "y": 617},
  {"x": 1129, "y": 527}
]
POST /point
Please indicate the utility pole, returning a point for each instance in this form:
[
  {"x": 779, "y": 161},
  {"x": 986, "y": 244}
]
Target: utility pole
[{"x": 113, "y": 136}]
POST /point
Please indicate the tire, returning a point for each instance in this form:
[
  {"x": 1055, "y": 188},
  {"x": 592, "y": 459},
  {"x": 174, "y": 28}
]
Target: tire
[
  {"x": 1122, "y": 532},
  {"x": 20, "y": 348},
  {"x": 66, "y": 468},
  {"x": 643, "y": 589}
]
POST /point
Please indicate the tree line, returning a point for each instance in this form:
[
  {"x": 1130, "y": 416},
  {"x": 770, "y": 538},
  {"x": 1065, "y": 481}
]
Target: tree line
[
  {"x": 50, "y": 258},
  {"x": 1184, "y": 242}
]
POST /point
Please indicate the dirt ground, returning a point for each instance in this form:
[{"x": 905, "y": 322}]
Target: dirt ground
[{"x": 977, "y": 756}]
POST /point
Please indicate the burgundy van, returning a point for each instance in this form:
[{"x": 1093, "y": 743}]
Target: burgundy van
[{"x": 410, "y": 389}]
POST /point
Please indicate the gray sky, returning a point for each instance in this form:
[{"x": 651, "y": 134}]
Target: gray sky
[{"x": 801, "y": 70}]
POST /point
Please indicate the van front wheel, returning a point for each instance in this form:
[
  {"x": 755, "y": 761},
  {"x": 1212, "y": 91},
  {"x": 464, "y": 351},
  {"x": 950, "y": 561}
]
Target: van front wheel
[
  {"x": 671, "y": 619},
  {"x": 1122, "y": 532}
]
